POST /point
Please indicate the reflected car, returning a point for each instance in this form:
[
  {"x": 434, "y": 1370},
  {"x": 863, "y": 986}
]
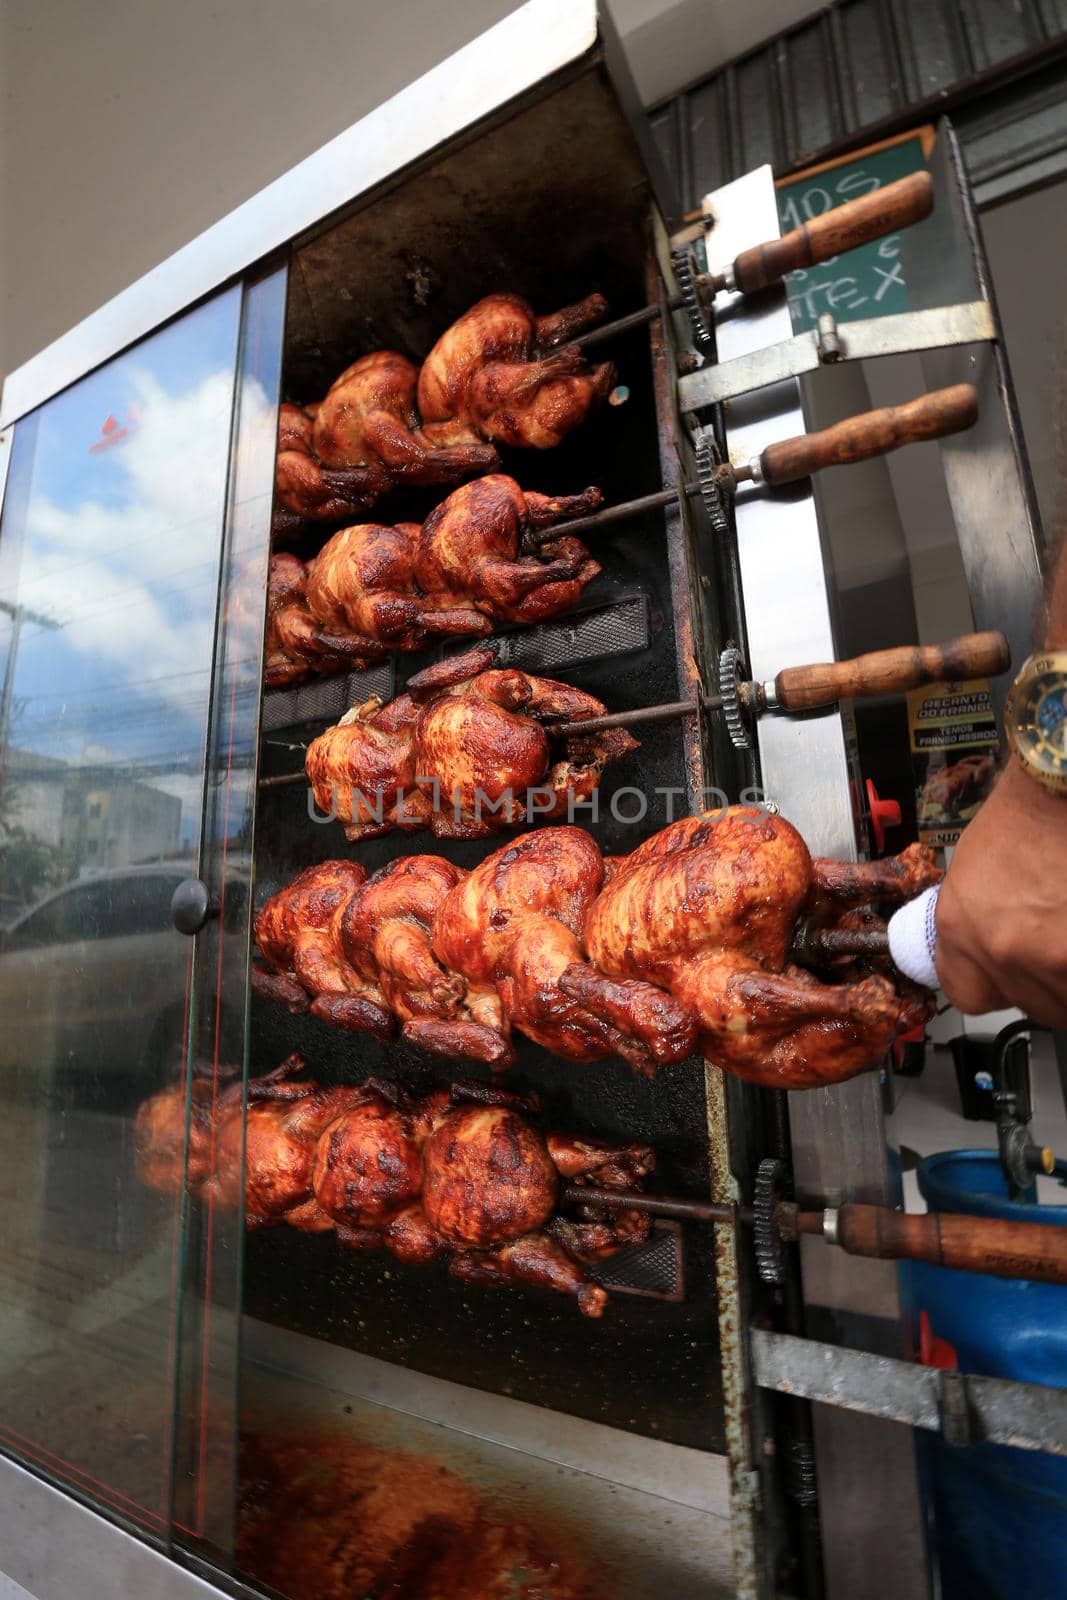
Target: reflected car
[{"x": 95, "y": 978}]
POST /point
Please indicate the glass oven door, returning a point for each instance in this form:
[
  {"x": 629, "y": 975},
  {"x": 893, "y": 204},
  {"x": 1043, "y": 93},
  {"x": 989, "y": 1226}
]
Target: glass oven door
[{"x": 135, "y": 527}]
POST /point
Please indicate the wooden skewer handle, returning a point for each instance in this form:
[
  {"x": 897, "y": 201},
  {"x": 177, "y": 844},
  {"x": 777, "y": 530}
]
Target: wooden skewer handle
[
  {"x": 857, "y": 222},
  {"x": 973, "y": 655},
  {"x": 872, "y": 433},
  {"x": 973, "y": 1244}
]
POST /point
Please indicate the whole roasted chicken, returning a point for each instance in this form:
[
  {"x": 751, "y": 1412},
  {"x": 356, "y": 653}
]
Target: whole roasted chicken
[
  {"x": 368, "y": 419},
  {"x": 297, "y": 644},
  {"x": 472, "y": 551},
  {"x": 689, "y": 939},
  {"x": 709, "y": 908},
  {"x": 462, "y": 752},
  {"x": 502, "y": 373},
  {"x": 307, "y": 491},
  {"x": 462, "y": 1174},
  {"x": 374, "y": 588}
]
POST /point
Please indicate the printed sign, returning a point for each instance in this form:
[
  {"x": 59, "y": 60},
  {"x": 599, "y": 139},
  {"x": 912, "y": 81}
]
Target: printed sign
[{"x": 954, "y": 742}]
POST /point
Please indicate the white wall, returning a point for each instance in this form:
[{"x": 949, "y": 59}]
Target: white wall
[{"x": 128, "y": 126}]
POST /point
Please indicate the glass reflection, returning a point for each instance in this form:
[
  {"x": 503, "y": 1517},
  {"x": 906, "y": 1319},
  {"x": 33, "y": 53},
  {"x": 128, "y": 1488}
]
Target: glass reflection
[{"x": 109, "y": 574}]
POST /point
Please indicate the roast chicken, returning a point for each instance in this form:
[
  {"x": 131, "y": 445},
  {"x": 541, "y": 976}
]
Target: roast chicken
[
  {"x": 368, "y": 419},
  {"x": 709, "y": 907},
  {"x": 472, "y": 551},
  {"x": 502, "y": 373},
  {"x": 462, "y": 752},
  {"x": 686, "y": 942},
  {"x": 297, "y": 644},
  {"x": 307, "y": 491},
  {"x": 374, "y": 588},
  {"x": 463, "y": 1174}
]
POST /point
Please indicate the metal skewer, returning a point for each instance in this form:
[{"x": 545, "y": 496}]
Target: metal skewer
[
  {"x": 794, "y": 689},
  {"x": 859, "y": 438},
  {"x": 1004, "y": 1249},
  {"x": 897, "y": 205}
]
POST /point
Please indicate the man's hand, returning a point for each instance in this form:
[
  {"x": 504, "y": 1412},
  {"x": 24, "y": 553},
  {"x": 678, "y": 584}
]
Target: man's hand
[{"x": 1002, "y": 909}]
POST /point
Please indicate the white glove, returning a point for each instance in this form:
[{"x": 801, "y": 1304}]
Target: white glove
[{"x": 913, "y": 938}]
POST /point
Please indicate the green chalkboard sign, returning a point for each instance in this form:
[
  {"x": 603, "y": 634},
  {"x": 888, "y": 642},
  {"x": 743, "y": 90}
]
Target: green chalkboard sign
[{"x": 868, "y": 282}]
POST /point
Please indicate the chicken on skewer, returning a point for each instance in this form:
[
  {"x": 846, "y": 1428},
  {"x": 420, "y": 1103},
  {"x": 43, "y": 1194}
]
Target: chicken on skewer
[
  {"x": 375, "y": 588},
  {"x": 475, "y": 549},
  {"x": 357, "y": 952},
  {"x": 462, "y": 752},
  {"x": 502, "y": 373},
  {"x": 516, "y": 922},
  {"x": 689, "y": 939},
  {"x": 368, "y": 419},
  {"x": 297, "y": 644},
  {"x": 709, "y": 908},
  {"x": 464, "y": 1175},
  {"x": 307, "y": 491}
]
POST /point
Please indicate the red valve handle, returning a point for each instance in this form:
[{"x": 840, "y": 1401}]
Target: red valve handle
[{"x": 883, "y": 814}]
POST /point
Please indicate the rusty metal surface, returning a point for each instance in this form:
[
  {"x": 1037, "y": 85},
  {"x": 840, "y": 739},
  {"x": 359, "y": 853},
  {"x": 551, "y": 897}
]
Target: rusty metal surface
[{"x": 710, "y": 761}]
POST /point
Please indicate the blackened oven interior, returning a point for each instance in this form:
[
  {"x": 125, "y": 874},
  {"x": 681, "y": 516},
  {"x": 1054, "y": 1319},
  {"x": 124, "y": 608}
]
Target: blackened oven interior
[{"x": 552, "y": 204}]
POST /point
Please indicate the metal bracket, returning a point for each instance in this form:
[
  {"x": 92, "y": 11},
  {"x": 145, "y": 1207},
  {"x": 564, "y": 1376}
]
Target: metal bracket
[
  {"x": 970, "y": 323},
  {"x": 955, "y": 1409},
  {"x": 964, "y": 1409}
]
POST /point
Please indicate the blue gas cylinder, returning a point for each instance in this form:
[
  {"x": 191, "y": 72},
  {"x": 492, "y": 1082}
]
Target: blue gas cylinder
[{"x": 1000, "y": 1514}]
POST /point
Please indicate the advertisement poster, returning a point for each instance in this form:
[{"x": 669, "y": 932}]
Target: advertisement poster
[{"x": 954, "y": 744}]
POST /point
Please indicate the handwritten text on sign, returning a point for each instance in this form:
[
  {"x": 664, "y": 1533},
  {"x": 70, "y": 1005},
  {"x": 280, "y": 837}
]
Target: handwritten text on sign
[{"x": 868, "y": 282}]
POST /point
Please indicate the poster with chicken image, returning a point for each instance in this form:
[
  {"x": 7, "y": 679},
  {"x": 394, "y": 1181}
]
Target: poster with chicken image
[{"x": 954, "y": 747}]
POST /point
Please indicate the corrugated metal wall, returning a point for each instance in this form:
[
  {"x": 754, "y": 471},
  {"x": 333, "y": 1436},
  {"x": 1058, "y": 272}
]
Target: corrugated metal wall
[{"x": 855, "y": 71}]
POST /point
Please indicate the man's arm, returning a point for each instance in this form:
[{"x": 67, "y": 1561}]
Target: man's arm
[{"x": 1002, "y": 909}]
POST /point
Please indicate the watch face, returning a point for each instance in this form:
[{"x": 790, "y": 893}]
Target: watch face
[{"x": 1039, "y": 718}]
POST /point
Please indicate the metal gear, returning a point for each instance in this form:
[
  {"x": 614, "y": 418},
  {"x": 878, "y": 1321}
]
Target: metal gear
[
  {"x": 770, "y": 1260},
  {"x": 731, "y": 672},
  {"x": 685, "y": 272},
  {"x": 710, "y": 493}
]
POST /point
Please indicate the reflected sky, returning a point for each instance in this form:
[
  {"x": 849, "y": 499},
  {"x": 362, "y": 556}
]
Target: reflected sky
[{"x": 111, "y": 538}]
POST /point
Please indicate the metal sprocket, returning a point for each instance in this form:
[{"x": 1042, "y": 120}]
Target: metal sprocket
[
  {"x": 686, "y": 275},
  {"x": 770, "y": 1260},
  {"x": 731, "y": 672},
  {"x": 710, "y": 492}
]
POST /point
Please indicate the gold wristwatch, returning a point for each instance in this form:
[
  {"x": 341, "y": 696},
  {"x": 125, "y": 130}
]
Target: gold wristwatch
[{"x": 1035, "y": 718}]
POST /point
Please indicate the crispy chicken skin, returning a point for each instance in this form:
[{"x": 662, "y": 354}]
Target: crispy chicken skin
[
  {"x": 516, "y": 920},
  {"x": 709, "y": 907},
  {"x": 375, "y": 588},
  {"x": 688, "y": 940},
  {"x": 471, "y": 551},
  {"x": 502, "y": 373},
  {"x": 368, "y": 419},
  {"x": 307, "y": 491},
  {"x": 297, "y": 644},
  {"x": 462, "y": 752},
  {"x": 463, "y": 1174}
]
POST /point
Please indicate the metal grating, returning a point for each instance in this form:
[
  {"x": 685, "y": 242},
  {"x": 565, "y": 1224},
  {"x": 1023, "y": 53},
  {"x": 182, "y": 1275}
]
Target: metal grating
[
  {"x": 326, "y": 699},
  {"x": 654, "y": 1269},
  {"x": 854, "y": 72},
  {"x": 582, "y": 636}
]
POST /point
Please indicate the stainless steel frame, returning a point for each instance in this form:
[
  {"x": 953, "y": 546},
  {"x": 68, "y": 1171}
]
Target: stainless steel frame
[{"x": 54, "y": 1548}]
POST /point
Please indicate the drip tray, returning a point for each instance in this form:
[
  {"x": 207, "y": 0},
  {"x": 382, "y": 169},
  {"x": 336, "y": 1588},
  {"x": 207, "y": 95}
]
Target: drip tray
[
  {"x": 595, "y": 634},
  {"x": 655, "y": 1269},
  {"x": 579, "y": 637},
  {"x": 647, "y": 1519},
  {"x": 326, "y": 699}
]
